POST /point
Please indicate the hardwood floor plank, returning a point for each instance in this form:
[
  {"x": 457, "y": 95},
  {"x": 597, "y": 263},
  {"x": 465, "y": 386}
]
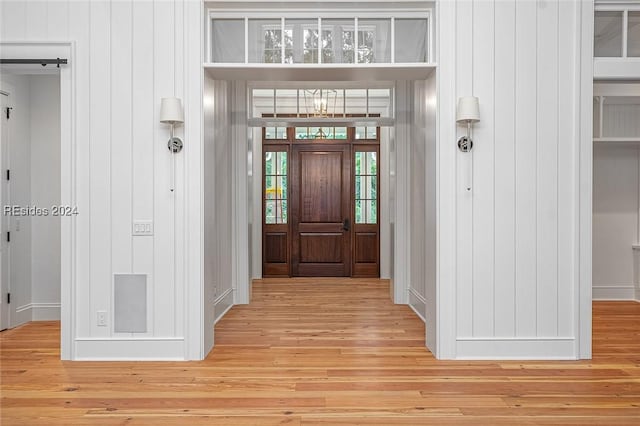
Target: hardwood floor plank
[{"x": 324, "y": 352}]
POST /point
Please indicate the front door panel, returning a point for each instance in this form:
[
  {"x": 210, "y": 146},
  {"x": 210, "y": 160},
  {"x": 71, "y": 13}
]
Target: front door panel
[{"x": 320, "y": 210}]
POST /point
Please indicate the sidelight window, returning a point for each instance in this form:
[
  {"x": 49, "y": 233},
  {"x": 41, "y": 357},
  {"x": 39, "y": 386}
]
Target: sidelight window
[
  {"x": 366, "y": 187},
  {"x": 275, "y": 187}
]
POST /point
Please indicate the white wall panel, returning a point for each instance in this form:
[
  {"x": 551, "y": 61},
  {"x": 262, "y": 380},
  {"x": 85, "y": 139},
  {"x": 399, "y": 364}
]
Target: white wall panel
[
  {"x": 45, "y": 193},
  {"x": 58, "y": 20},
  {"x": 429, "y": 102},
  {"x": 100, "y": 161},
  {"x": 121, "y": 141},
  {"x": 483, "y": 243},
  {"x": 464, "y": 166},
  {"x": 505, "y": 171},
  {"x": 163, "y": 254},
  {"x": 516, "y": 228},
  {"x": 416, "y": 140},
  {"x": 567, "y": 167},
  {"x": 548, "y": 87},
  {"x": 615, "y": 219},
  {"x": 37, "y": 22},
  {"x": 127, "y": 55},
  {"x": 14, "y": 20},
  {"x": 80, "y": 31},
  {"x": 142, "y": 146},
  {"x": 526, "y": 169}
]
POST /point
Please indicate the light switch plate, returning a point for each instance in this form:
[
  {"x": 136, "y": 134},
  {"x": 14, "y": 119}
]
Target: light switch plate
[{"x": 142, "y": 227}]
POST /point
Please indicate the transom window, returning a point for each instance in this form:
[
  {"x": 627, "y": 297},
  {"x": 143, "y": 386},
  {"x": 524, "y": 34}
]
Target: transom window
[
  {"x": 617, "y": 32},
  {"x": 366, "y": 39}
]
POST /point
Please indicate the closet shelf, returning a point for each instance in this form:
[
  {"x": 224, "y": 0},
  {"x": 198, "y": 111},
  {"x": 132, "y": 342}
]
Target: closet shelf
[{"x": 613, "y": 140}]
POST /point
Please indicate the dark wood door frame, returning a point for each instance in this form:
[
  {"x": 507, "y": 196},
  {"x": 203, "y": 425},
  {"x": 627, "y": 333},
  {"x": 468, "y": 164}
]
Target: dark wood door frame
[{"x": 363, "y": 240}]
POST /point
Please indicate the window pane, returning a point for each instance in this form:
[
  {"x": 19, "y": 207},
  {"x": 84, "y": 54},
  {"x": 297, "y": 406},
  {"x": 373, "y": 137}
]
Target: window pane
[
  {"x": 411, "y": 40},
  {"x": 360, "y": 132},
  {"x": 372, "y": 214},
  {"x": 356, "y": 101},
  {"x": 282, "y": 163},
  {"x": 304, "y": 40},
  {"x": 288, "y": 46},
  {"x": 314, "y": 132},
  {"x": 263, "y": 100},
  {"x": 269, "y": 161},
  {"x": 372, "y": 132},
  {"x": 341, "y": 133},
  {"x": 227, "y": 40},
  {"x": 328, "y": 132},
  {"x": 270, "y": 211},
  {"x": 269, "y": 187},
  {"x": 372, "y": 167},
  {"x": 633, "y": 40},
  {"x": 286, "y": 101},
  {"x": 359, "y": 212},
  {"x": 373, "y": 187},
  {"x": 337, "y": 41},
  {"x": 359, "y": 189},
  {"x": 374, "y": 40},
  {"x": 302, "y": 133},
  {"x": 265, "y": 41},
  {"x": 281, "y": 133},
  {"x": 608, "y": 34},
  {"x": 269, "y": 132},
  {"x": 282, "y": 187},
  {"x": 359, "y": 161},
  {"x": 284, "y": 211}
]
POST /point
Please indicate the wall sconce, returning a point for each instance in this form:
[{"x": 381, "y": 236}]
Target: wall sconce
[
  {"x": 469, "y": 113},
  {"x": 172, "y": 114}
]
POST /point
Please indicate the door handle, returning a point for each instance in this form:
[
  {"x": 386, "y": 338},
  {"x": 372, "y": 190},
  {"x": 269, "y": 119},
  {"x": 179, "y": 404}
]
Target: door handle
[{"x": 346, "y": 225}]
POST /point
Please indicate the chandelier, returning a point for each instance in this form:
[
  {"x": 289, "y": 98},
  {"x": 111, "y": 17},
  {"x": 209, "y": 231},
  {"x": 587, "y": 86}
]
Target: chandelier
[{"x": 320, "y": 102}]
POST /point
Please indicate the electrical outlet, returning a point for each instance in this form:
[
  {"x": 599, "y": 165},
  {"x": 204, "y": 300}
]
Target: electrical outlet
[
  {"x": 102, "y": 318},
  {"x": 142, "y": 227}
]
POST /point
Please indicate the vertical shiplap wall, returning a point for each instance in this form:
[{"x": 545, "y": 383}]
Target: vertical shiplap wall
[
  {"x": 616, "y": 210},
  {"x": 128, "y": 55},
  {"x": 516, "y": 227}
]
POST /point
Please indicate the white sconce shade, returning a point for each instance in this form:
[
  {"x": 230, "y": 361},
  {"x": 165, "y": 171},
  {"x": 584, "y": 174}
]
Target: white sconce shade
[
  {"x": 468, "y": 109},
  {"x": 171, "y": 111}
]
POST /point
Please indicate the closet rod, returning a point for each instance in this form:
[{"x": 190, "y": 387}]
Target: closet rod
[{"x": 43, "y": 62}]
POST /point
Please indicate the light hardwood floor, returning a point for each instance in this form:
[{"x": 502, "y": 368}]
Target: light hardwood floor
[{"x": 322, "y": 351}]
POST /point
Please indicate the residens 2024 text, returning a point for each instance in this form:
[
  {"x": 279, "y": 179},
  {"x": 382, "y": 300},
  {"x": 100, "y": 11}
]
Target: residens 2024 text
[{"x": 40, "y": 211}]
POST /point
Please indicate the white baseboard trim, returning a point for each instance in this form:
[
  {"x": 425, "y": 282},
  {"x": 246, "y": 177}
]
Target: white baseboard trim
[
  {"x": 614, "y": 292},
  {"x": 45, "y": 311},
  {"x": 543, "y": 348},
  {"x": 418, "y": 304},
  {"x": 222, "y": 304},
  {"x": 41, "y": 311},
  {"x": 130, "y": 349}
]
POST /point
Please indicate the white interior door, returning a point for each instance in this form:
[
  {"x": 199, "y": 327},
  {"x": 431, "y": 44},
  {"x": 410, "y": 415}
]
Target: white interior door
[{"x": 4, "y": 196}]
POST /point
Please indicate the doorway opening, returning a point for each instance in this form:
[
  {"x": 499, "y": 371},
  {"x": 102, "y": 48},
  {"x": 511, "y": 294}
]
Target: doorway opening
[
  {"x": 321, "y": 202},
  {"x": 32, "y": 210}
]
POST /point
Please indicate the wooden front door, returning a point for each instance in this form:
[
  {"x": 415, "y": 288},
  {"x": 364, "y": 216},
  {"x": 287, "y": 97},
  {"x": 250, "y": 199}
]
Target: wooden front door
[{"x": 320, "y": 210}]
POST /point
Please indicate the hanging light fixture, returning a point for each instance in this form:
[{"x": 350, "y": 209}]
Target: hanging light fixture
[{"x": 320, "y": 102}]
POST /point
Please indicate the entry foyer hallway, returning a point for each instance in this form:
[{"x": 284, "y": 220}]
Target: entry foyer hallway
[{"x": 323, "y": 351}]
